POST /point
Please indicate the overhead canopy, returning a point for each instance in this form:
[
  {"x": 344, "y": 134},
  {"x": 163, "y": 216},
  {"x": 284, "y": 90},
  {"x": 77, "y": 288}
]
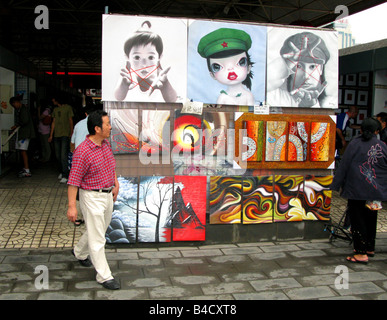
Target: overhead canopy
[{"x": 73, "y": 41}]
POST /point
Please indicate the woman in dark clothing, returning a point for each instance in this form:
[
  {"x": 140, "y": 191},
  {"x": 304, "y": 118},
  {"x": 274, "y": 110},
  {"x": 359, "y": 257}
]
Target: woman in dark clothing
[{"x": 362, "y": 176}]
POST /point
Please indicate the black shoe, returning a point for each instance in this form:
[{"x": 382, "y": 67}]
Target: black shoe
[
  {"x": 111, "y": 284},
  {"x": 83, "y": 263}
]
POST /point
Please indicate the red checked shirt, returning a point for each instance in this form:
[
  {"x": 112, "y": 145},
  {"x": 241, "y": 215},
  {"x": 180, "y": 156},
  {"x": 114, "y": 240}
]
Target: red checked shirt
[{"x": 93, "y": 166}]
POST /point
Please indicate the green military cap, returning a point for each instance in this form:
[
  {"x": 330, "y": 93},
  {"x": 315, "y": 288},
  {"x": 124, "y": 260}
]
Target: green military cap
[{"x": 223, "y": 39}]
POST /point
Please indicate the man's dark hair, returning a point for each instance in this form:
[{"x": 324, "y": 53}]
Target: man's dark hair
[
  {"x": 382, "y": 116},
  {"x": 13, "y": 100},
  {"x": 95, "y": 120},
  {"x": 368, "y": 128}
]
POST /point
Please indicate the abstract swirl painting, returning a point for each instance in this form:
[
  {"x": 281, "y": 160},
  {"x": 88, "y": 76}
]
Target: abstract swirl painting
[
  {"x": 317, "y": 197},
  {"x": 225, "y": 200},
  {"x": 257, "y": 199},
  {"x": 288, "y": 205}
]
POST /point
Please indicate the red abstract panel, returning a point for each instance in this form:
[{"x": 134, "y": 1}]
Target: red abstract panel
[
  {"x": 319, "y": 144},
  {"x": 189, "y": 208}
]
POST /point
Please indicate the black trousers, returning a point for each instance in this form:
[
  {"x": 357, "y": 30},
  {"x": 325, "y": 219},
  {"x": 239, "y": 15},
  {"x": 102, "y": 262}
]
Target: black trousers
[{"x": 363, "y": 226}]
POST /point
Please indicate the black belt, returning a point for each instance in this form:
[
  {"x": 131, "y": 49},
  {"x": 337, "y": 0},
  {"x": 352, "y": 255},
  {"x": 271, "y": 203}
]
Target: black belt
[{"x": 107, "y": 190}]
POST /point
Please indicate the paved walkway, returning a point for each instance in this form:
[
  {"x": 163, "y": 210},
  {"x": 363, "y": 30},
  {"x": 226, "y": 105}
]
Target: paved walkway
[
  {"x": 289, "y": 270},
  {"x": 35, "y": 242}
]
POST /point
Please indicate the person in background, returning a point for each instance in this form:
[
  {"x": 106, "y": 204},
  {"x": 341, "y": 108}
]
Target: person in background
[
  {"x": 382, "y": 117},
  {"x": 80, "y": 131},
  {"x": 93, "y": 174},
  {"x": 61, "y": 131},
  {"x": 342, "y": 123},
  {"x": 44, "y": 128},
  {"x": 79, "y": 135},
  {"x": 362, "y": 176},
  {"x": 25, "y": 134}
]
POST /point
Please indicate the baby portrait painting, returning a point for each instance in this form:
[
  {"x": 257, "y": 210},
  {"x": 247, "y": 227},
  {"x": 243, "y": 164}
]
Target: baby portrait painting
[
  {"x": 142, "y": 60},
  {"x": 226, "y": 63}
]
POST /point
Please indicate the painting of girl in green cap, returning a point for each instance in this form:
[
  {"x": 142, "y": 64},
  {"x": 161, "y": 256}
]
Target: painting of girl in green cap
[{"x": 227, "y": 50}]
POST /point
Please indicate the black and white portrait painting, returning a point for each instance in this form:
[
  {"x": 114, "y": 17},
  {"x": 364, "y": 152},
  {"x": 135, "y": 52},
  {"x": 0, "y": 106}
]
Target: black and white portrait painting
[
  {"x": 302, "y": 68},
  {"x": 143, "y": 60}
]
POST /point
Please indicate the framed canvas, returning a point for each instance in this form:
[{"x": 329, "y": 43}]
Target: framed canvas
[
  {"x": 349, "y": 96},
  {"x": 350, "y": 79},
  {"x": 364, "y": 79},
  {"x": 362, "y": 98}
]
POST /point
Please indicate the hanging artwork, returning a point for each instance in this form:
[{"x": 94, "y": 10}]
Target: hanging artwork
[
  {"x": 142, "y": 60},
  {"x": 288, "y": 203},
  {"x": 215, "y": 133},
  {"x": 155, "y": 133},
  {"x": 276, "y": 132},
  {"x": 299, "y": 133},
  {"x": 303, "y": 68},
  {"x": 257, "y": 199},
  {"x": 289, "y": 141},
  {"x": 253, "y": 140},
  {"x": 154, "y": 209},
  {"x": 319, "y": 143},
  {"x": 226, "y": 63},
  {"x": 317, "y": 197},
  {"x": 123, "y": 226},
  {"x": 225, "y": 202},
  {"x": 187, "y": 134},
  {"x": 188, "y": 214},
  {"x": 124, "y": 134}
]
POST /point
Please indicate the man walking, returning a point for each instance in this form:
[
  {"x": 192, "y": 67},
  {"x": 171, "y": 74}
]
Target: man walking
[
  {"x": 93, "y": 172},
  {"x": 26, "y": 132}
]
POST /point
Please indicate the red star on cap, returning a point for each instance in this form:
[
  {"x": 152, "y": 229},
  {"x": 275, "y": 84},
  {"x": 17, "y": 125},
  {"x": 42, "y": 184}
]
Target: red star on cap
[{"x": 224, "y": 44}]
